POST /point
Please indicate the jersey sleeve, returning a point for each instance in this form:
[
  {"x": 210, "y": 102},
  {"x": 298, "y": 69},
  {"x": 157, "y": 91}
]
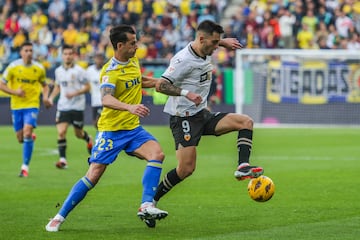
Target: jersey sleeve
[
  {"x": 7, "y": 74},
  {"x": 83, "y": 76},
  {"x": 42, "y": 78},
  {"x": 177, "y": 70},
  {"x": 57, "y": 77}
]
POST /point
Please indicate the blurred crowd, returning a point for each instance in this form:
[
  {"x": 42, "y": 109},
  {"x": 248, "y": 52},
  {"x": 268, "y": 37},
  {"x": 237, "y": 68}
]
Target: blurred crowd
[{"x": 164, "y": 27}]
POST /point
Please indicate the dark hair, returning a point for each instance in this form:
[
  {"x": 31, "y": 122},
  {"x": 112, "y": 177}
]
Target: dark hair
[
  {"x": 209, "y": 27},
  {"x": 118, "y": 34},
  {"x": 67, "y": 46},
  {"x": 27, "y": 43}
]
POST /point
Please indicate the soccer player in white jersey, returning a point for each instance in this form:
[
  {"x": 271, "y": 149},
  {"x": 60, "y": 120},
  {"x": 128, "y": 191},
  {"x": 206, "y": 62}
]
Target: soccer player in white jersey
[
  {"x": 93, "y": 76},
  {"x": 119, "y": 129},
  {"x": 187, "y": 80},
  {"x": 71, "y": 83}
]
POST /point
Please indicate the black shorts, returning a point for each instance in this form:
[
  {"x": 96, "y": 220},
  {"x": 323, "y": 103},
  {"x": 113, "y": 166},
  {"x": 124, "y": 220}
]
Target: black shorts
[
  {"x": 76, "y": 118},
  {"x": 187, "y": 131},
  {"x": 96, "y": 111}
]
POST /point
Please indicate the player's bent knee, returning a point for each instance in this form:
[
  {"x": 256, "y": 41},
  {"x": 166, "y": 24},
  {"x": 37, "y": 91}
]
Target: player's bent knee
[{"x": 160, "y": 156}]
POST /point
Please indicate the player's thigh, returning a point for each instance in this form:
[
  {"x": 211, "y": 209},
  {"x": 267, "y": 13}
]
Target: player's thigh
[
  {"x": 233, "y": 122},
  {"x": 30, "y": 117},
  {"x": 150, "y": 150},
  {"x": 17, "y": 117},
  {"x": 77, "y": 119},
  {"x": 144, "y": 145}
]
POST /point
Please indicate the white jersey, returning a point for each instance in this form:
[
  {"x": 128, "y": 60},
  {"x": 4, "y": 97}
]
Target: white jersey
[
  {"x": 93, "y": 76},
  {"x": 70, "y": 80},
  {"x": 188, "y": 71}
]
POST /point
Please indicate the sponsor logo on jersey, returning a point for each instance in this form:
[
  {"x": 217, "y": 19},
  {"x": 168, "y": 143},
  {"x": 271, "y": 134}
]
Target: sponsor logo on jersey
[
  {"x": 105, "y": 79},
  {"x": 131, "y": 83},
  {"x": 171, "y": 69}
]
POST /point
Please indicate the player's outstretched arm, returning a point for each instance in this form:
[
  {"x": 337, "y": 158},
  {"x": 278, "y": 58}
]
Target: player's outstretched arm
[
  {"x": 18, "y": 92},
  {"x": 148, "y": 82},
  {"x": 54, "y": 93},
  {"x": 108, "y": 100},
  {"x": 169, "y": 89},
  {"x": 230, "y": 43},
  {"x": 45, "y": 96}
]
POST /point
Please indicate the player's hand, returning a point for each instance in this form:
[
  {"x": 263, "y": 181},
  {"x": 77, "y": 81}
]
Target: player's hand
[
  {"x": 70, "y": 95},
  {"x": 47, "y": 103},
  {"x": 231, "y": 43},
  {"x": 194, "y": 97},
  {"x": 19, "y": 92},
  {"x": 140, "y": 110}
]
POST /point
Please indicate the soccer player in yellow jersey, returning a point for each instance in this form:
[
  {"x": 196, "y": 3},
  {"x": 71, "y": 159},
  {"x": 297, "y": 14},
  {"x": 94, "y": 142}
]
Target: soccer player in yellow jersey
[
  {"x": 24, "y": 80},
  {"x": 119, "y": 129}
]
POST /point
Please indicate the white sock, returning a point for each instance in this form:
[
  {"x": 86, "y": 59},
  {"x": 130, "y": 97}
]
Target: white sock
[
  {"x": 25, "y": 167},
  {"x": 59, "y": 217}
]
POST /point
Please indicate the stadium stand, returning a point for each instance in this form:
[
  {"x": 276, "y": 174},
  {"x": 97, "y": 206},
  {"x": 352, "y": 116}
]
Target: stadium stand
[{"x": 164, "y": 27}]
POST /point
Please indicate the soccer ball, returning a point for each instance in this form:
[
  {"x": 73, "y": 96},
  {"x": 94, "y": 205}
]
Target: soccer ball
[{"x": 261, "y": 189}]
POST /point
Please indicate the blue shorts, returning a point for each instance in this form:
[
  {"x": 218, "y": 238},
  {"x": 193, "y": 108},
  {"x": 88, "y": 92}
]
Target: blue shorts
[
  {"x": 108, "y": 145},
  {"x": 28, "y": 116}
]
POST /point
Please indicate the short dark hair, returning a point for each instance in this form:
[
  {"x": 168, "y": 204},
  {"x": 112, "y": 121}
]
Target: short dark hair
[
  {"x": 118, "y": 34},
  {"x": 25, "y": 44},
  {"x": 209, "y": 27},
  {"x": 67, "y": 46}
]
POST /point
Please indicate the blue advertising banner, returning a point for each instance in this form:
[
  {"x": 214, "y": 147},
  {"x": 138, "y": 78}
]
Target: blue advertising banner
[{"x": 313, "y": 82}]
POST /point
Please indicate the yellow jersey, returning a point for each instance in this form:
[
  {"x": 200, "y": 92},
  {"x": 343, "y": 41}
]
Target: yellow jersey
[
  {"x": 30, "y": 78},
  {"x": 125, "y": 78}
]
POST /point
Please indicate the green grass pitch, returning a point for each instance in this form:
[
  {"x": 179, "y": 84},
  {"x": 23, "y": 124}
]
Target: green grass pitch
[{"x": 315, "y": 171}]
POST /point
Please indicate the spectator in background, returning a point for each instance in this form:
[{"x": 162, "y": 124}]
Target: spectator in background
[
  {"x": 298, "y": 13},
  {"x": 322, "y": 43},
  {"x": 166, "y": 50},
  {"x": 135, "y": 8},
  {"x": 250, "y": 38},
  {"x": 25, "y": 22},
  {"x": 286, "y": 23},
  {"x": 206, "y": 15},
  {"x": 147, "y": 8},
  {"x": 19, "y": 39},
  {"x": 353, "y": 44},
  {"x": 40, "y": 51},
  {"x": 310, "y": 20},
  {"x": 45, "y": 36},
  {"x": 70, "y": 34},
  {"x": 159, "y": 8},
  {"x": 172, "y": 36},
  {"x": 270, "y": 40},
  {"x": 53, "y": 59},
  {"x": 325, "y": 16},
  {"x": 305, "y": 37},
  {"x": 39, "y": 19},
  {"x": 321, "y": 31},
  {"x": 333, "y": 39},
  {"x": 11, "y": 26},
  {"x": 56, "y": 9},
  {"x": 342, "y": 23}
]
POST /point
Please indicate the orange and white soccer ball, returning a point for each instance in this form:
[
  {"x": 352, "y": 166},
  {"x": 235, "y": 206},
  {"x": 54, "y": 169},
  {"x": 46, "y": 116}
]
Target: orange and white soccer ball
[{"x": 261, "y": 189}]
